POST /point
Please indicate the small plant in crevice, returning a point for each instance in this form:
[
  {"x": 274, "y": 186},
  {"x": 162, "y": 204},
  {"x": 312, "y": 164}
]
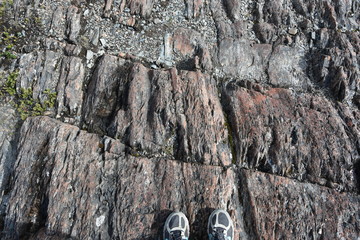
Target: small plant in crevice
[
  {"x": 10, "y": 84},
  {"x": 8, "y": 55},
  {"x": 27, "y": 106},
  {"x": 4, "y": 6},
  {"x": 7, "y": 43},
  {"x": 23, "y": 100}
]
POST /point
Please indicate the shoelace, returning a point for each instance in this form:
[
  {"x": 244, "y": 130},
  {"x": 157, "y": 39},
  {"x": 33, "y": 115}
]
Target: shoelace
[
  {"x": 176, "y": 235},
  {"x": 219, "y": 234}
]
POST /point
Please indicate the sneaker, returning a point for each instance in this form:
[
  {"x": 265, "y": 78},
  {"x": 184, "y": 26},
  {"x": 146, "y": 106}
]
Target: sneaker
[
  {"x": 220, "y": 226},
  {"x": 176, "y": 227}
]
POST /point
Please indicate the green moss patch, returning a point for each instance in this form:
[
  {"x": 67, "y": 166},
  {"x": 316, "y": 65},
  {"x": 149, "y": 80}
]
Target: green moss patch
[{"x": 23, "y": 100}]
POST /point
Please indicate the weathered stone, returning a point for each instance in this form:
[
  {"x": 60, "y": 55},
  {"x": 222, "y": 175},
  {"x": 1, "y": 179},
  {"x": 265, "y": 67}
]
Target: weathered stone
[
  {"x": 194, "y": 8},
  {"x": 102, "y": 91},
  {"x": 39, "y": 71},
  {"x": 49, "y": 74},
  {"x": 293, "y": 31},
  {"x": 265, "y": 32},
  {"x": 289, "y": 100},
  {"x": 70, "y": 87},
  {"x": 329, "y": 12},
  {"x": 188, "y": 45},
  {"x": 89, "y": 55},
  {"x": 58, "y": 22},
  {"x": 108, "y": 193},
  {"x": 238, "y": 59},
  {"x": 288, "y": 127},
  {"x": 159, "y": 112},
  {"x": 72, "y": 50},
  {"x": 166, "y": 55},
  {"x": 140, "y": 7},
  {"x": 30, "y": 69},
  {"x": 234, "y": 8},
  {"x": 280, "y": 205},
  {"x": 73, "y": 25},
  {"x": 8, "y": 137},
  {"x": 107, "y": 8},
  {"x": 287, "y": 68},
  {"x": 336, "y": 68}
]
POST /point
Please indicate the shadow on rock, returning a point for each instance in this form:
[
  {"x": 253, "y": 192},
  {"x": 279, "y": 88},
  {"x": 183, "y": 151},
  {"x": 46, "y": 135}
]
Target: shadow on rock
[
  {"x": 198, "y": 229},
  {"x": 158, "y": 225}
]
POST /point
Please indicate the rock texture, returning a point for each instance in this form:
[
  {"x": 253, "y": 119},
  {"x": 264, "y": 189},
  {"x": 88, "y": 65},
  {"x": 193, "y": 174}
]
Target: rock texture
[
  {"x": 157, "y": 112},
  {"x": 275, "y": 131},
  {"x": 281, "y": 198},
  {"x": 248, "y": 106},
  {"x": 116, "y": 194}
]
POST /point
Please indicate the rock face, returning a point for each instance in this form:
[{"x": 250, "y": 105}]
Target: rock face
[
  {"x": 98, "y": 184},
  {"x": 157, "y": 112},
  {"x": 281, "y": 198},
  {"x": 288, "y": 125},
  {"x": 159, "y": 106}
]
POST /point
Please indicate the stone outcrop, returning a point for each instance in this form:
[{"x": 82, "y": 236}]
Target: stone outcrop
[
  {"x": 192, "y": 105},
  {"x": 276, "y": 130},
  {"x": 117, "y": 194},
  {"x": 157, "y": 112},
  {"x": 281, "y": 198},
  {"x": 103, "y": 191}
]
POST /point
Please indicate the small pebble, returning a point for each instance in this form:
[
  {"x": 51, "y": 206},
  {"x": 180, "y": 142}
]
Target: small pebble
[
  {"x": 89, "y": 55},
  {"x": 103, "y": 41},
  {"x": 313, "y": 35},
  {"x": 293, "y": 31}
]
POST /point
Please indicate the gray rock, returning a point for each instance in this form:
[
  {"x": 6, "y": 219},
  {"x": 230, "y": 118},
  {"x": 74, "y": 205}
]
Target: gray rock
[
  {"x": 140, "y": 7},
  {"x": 70, "y": 86},
  {"x": 293, "y": 31},
  {"x": 166, "y": 57},
  {"x": 57, "y": 22},
  {"x": 265, "y": 32},
  {"x": 239, "y": 59},
  {"x": 157, "y": 21},
  {"x": 39, "y": 71},
  {"x": 89, "y": 54},
  {"x": 287, "y": 67},
  {"x": 8, "y": 138},
  {"x": 193, "y": 8},
  {"x": 103, "y": 42},
  {"x": 73, "y": 23}
]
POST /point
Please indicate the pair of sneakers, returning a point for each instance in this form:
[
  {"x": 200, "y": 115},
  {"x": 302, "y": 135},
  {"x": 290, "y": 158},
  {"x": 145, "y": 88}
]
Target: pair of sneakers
[{"x": 220, "y": 226}]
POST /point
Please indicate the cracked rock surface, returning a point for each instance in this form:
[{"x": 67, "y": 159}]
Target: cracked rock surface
[{"x": 184, "y": 105}]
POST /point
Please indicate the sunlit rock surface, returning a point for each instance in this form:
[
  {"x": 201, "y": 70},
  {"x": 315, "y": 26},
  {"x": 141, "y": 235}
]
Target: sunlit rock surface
[{"x": 252, "y": 107}]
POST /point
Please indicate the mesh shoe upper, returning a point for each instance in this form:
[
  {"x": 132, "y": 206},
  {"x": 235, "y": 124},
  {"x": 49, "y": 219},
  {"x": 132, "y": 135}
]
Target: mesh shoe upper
[
  {"x": 176, "y": 227},
  {"x": 220, "y": 226}
]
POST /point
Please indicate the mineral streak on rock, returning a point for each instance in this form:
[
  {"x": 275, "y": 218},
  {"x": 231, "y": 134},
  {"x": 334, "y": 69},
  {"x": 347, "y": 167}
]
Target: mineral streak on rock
[{"x": 189, "y": 105}]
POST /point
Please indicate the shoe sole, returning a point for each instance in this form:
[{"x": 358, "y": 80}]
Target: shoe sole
[
  {"x": 227, "y": 215},
  {"x": 180, "y": 214}
]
